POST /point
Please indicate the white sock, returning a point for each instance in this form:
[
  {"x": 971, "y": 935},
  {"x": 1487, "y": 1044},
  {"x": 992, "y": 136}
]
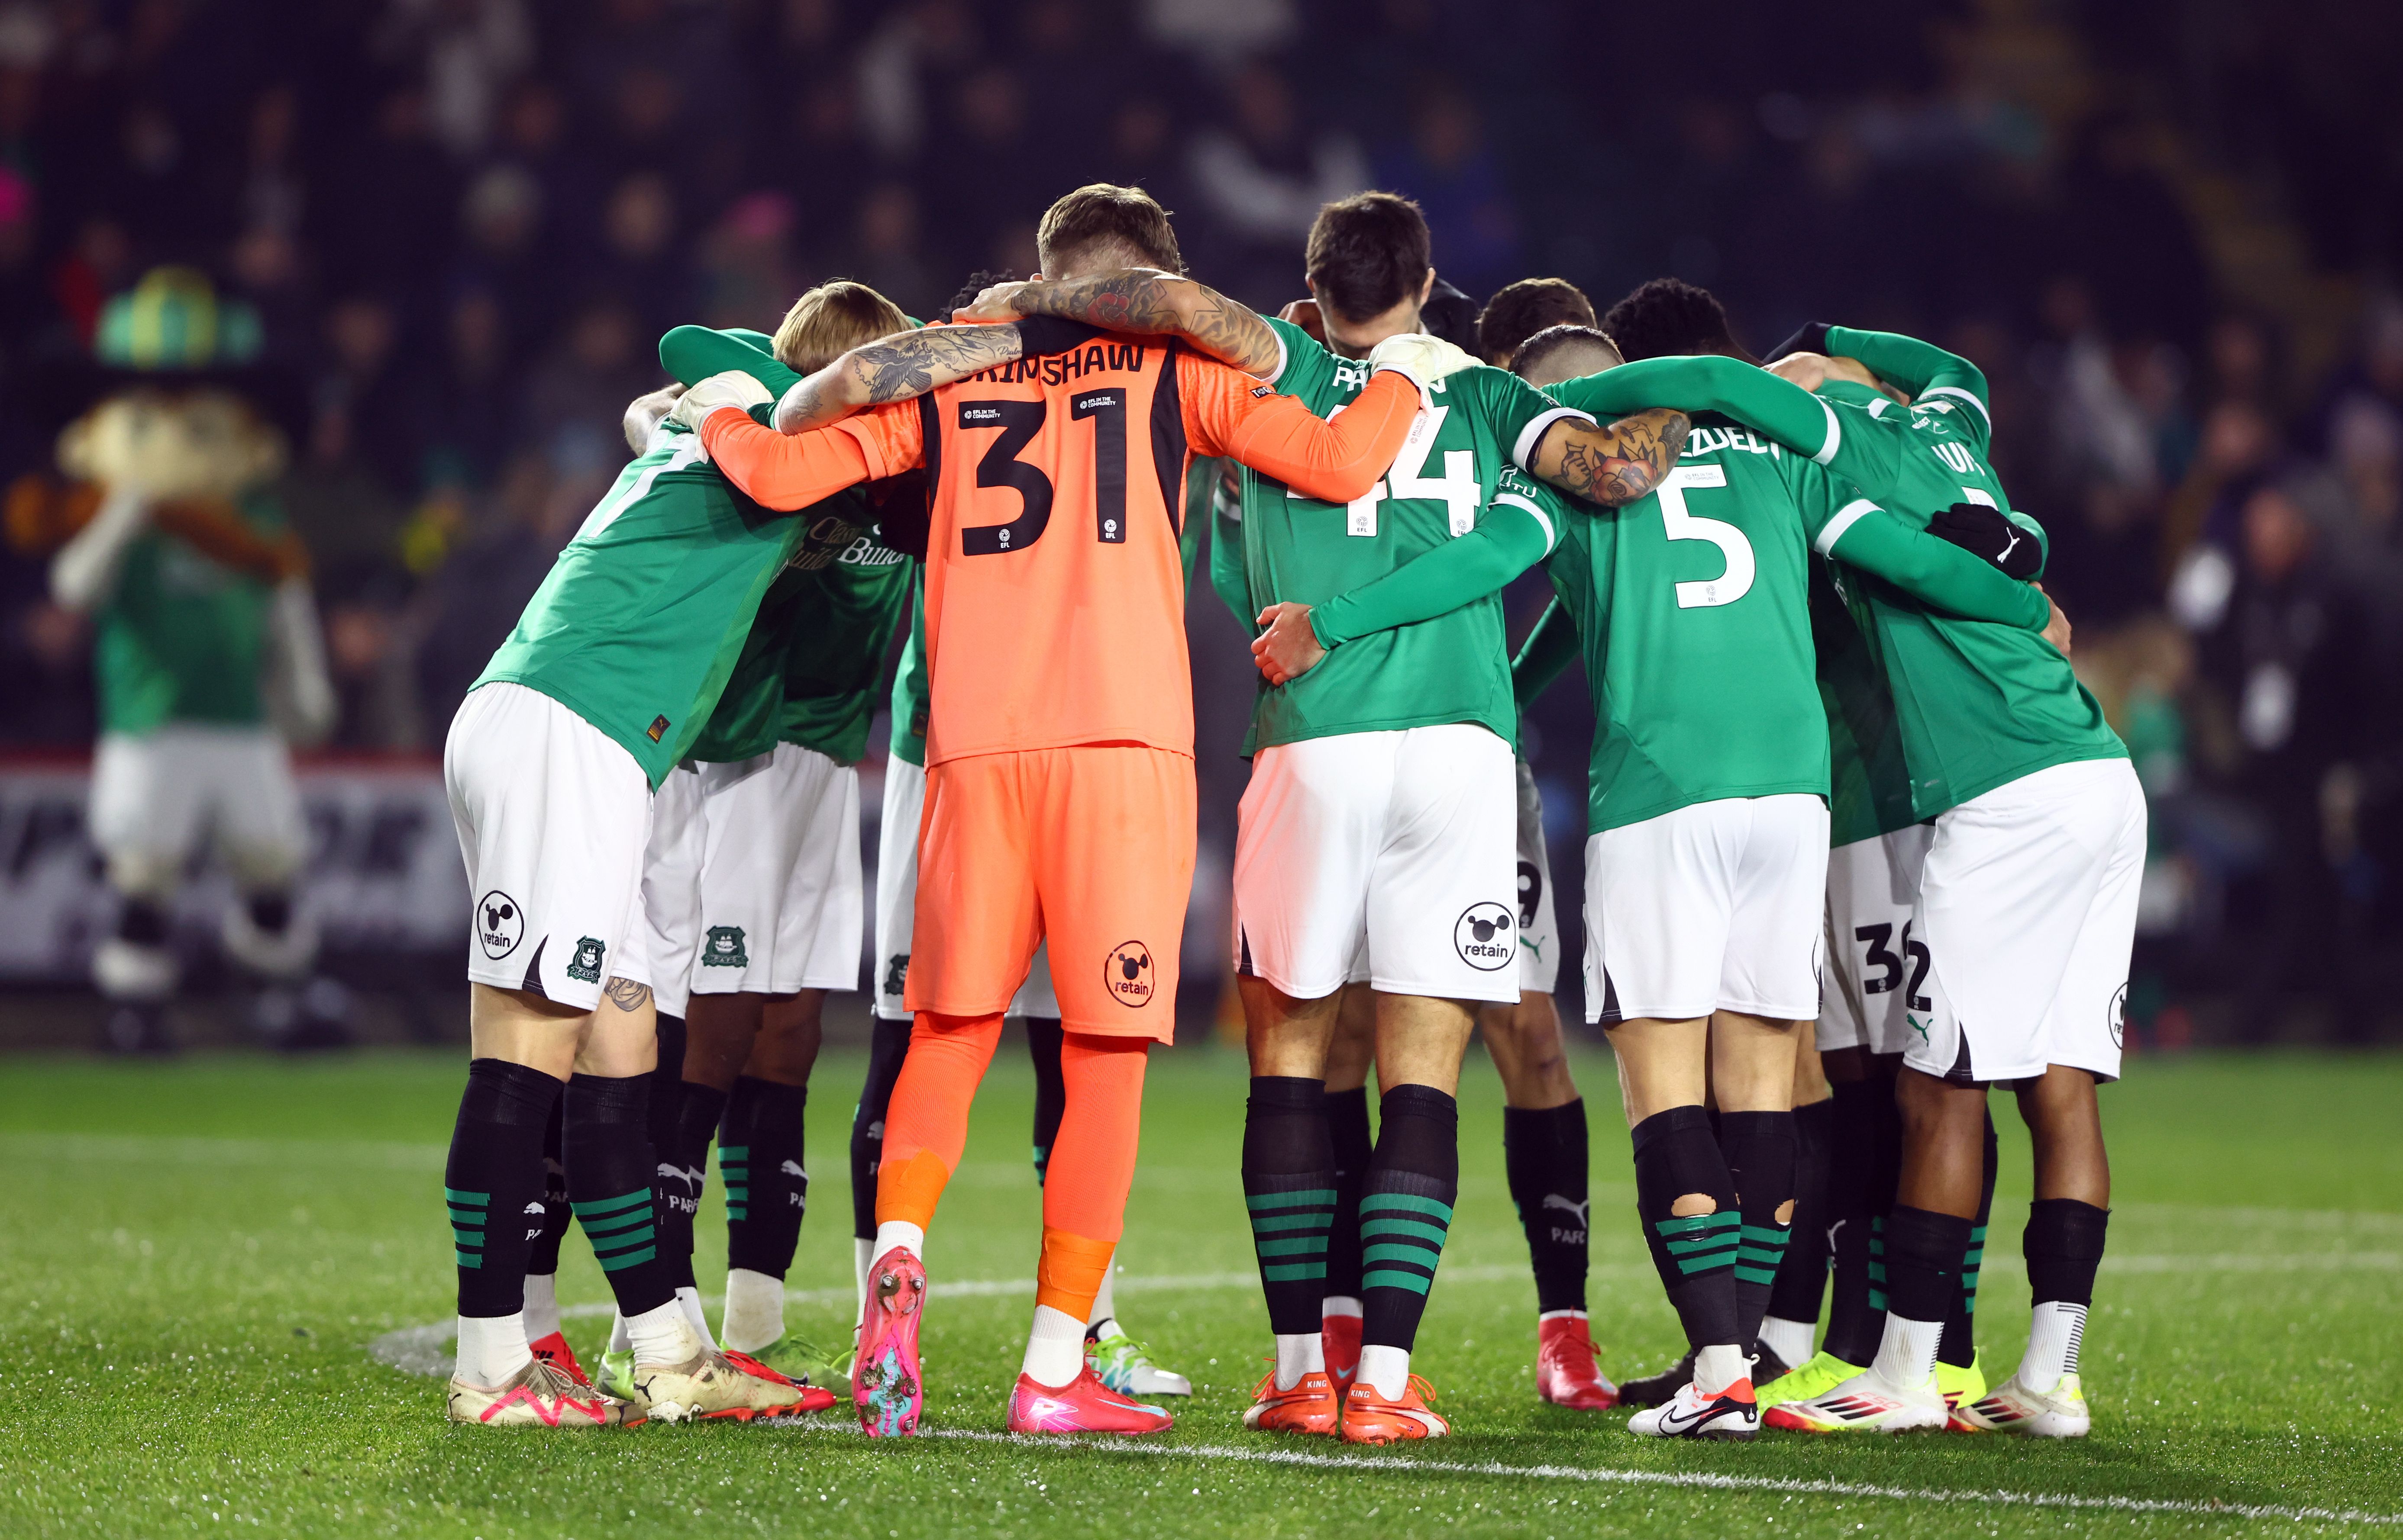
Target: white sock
[
  {"x": 1542, "y": 1316},
  {"x": 1717, "y": 1367},
  {"x": 863, "y": 1252},
  {"x": 2054, "y": 1334},
  {"x": 755, "y": 1310},
  {"x": 1104, "y": 1303},
  {"x": 1298, "y": 1353},
  {"x": 1055, "y": 1348},
  {"x": 898, "y": 1232},
  {"x": 1385, "y": 1371},
  {"x": 618, "y": 1340},
  {"x": 661, "y": 1336},
  {"x": 690, "y": 1297},
  {"x": 541, "y": 1305},
  {"x": 1790, "y": 1340},
  {"x": 492, "y": 1348},
  {"x": 1339, "y": 1304},
  {"x": 1906, "y": 1354}
]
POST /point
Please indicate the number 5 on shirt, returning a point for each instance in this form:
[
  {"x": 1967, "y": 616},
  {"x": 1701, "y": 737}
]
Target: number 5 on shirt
[{"x": 1731, "y": 585}]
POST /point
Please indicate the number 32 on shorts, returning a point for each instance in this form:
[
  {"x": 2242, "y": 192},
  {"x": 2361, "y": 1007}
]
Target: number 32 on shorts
[{"x": 1679, "y": 523}]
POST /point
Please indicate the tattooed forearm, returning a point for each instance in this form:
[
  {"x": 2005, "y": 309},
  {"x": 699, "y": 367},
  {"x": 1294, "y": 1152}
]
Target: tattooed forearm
[
  {"x": 625, "y": 994},
  {"x": 1614, "y": 466},
  {"x": 1146, "y": 302},
  {"x": 894, "y": 369}
]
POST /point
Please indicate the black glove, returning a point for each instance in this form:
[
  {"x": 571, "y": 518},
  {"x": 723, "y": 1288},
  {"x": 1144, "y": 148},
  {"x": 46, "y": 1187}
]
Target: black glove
[
  {"x": 1990, "y": 533},
  {"x": 903, "y": 513},
  {"x": 1039, "y": 336},
  {"x": 1812, "y": 337}
]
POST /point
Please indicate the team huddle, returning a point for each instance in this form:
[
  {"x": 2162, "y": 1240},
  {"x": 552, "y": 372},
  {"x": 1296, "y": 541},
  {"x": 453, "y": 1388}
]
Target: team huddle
[{"x": 1859, "y": 846}]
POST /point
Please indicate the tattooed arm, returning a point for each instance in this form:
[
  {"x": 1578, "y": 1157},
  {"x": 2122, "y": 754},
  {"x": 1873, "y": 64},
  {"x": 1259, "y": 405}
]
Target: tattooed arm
[
  {"x": 894, "y": 369},
  {"x": 1614, "y": 466},
  {"x": 1146, "y": 302}
]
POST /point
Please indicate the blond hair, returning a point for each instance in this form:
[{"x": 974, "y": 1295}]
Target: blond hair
[{"x": 832, "y": 320}]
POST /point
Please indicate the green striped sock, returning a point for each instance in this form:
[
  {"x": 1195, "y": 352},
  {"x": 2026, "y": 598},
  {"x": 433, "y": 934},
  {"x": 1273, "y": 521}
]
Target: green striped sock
[
  {"x": 734, "y": 1170},
  {"x": 622, "y": 1229},
  {"x": 469, "y": 1212}
]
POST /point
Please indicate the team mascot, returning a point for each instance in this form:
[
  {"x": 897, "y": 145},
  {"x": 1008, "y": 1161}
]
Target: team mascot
[{"x": 206, "y": 642}]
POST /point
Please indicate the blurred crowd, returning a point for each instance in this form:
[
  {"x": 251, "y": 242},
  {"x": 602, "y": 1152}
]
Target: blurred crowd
[{"x": 464, "y": 222}]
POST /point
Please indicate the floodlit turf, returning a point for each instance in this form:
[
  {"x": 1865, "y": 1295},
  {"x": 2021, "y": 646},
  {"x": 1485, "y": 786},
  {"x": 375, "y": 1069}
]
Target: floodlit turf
[{"x": 194, "y": 1258}]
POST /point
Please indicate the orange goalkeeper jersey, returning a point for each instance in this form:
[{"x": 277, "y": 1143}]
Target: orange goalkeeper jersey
[{"x": 1055, "y": 589}]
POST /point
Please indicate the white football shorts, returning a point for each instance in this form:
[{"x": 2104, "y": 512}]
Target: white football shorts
[
  {"x": 1875, "y": 965},
  {"x": 1401, "y": 842},
  {"x": 2027, "y": 904},
  {"x": 672, "y": 888},
  {"x": 1539, "y": 949},
  {"x": 553, "y": 819},
  {"x": 896, "y": 902},
  {"x": 781, "y": 894},
  {"x": 156, "y": 796},
  {"x": 1718, "y": 905}
]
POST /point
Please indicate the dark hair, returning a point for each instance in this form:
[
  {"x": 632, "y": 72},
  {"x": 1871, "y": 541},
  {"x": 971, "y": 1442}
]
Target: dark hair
[
  {"x": 978, "y": 281},
  {"x": 1552, "y": 339},
  {"x": 1367, "y": 252},
  {"x": 1522, "y": 308},
  {"x": 1125, "y": 222},
  {"x": 1667, "y": 316}
]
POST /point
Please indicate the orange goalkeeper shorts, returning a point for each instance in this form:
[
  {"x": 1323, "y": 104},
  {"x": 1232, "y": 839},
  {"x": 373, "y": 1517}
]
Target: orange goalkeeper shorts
[{"x": 1091, "y": 847}]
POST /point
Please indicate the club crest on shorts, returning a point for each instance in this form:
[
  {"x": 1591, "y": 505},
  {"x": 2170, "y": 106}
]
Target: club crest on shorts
[
  {"x": 2118, "y": 1018},
  {"x": 500, "y": 925},
  {"x": 1126, "y": 975},
  {"x": 723, "y": 947},
  {"x": 586, "y": 964},
  {"x": 1485, "y": 937},
  {"x": 896, "y": 973}
]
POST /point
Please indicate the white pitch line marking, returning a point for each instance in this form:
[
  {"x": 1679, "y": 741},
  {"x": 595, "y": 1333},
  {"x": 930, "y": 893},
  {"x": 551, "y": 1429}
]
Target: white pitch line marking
[{"x": 1606, "y": 1476}]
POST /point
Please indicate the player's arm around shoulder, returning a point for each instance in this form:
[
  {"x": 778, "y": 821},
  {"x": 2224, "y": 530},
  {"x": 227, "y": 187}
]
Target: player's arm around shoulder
[
  {"x": 1333, "y": 460},
  {"x": 1144, "y": 302},
  {"x": 1614, "y": 466},
  {"x": 1933, "y": 570}
]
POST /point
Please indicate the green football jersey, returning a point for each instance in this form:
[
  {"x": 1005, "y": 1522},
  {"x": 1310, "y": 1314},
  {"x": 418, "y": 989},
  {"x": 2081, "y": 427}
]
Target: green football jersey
[
  {"x": 807, "y": 672},
  {"x": 1977, "y": 705},
  {"x": 909, "y": 681},
  {"x": 1692, "y": 610},
  {"x": 640, "y": 619},
  {"x": 1454, "y": 668},
  {"x": 182, "y": 638},
  {"x": 1868, "y": 779}
]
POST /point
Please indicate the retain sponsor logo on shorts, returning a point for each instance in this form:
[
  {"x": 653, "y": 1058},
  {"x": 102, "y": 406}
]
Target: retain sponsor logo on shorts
[
  {"x": 1127, "y": 974},
  {"x": 500, "y": 925},
  {"x": 723, "y": 947},
  {"x": 586, "y": 964},
  {"x": 1485, "y": 937}
]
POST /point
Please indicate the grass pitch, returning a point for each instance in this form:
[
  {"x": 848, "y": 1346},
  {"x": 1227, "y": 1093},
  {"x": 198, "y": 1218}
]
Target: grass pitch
[{"x": 195, "y": 1257}]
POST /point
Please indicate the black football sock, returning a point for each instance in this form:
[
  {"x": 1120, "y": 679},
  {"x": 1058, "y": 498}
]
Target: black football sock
[
  {"x": 1960, "y": 1347},
  {"x": 1405, "y": 1211},
  {"x": 888, "y": 1044},
  {"x": 612, "y": 1186},
  {"x": 1923, "y": 1267},
  {"x": 1676, "y": 1155},
  {"x": 1802, "y": 1277},
  {"x": 492, "y": 1182},
  {"x": 1865, "y": 1159},
  {"x": 1544, "y": 1152},
  {"x": 762, "y": 1141},
  {"x": 685, "y": 1154},
  {"x": 542, "y": 1252},
  {"x": 1043, "y": 1039},
  {"x": 2064, "y": 1246},
  {"x": 1347, "y": 1136},
  {"x": 1758, "y": 1147},
  {"x": 1289, "y": 1189}
]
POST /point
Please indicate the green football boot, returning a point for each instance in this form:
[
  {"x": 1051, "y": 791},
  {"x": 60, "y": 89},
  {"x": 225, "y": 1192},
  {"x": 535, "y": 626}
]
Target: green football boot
[{"x": 1823, "y": 1373}]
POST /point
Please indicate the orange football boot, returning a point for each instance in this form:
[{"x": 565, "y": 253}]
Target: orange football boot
[
  {"x": 1370, "y": 1419},
  {"x": 1311, "y": 1405}
]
